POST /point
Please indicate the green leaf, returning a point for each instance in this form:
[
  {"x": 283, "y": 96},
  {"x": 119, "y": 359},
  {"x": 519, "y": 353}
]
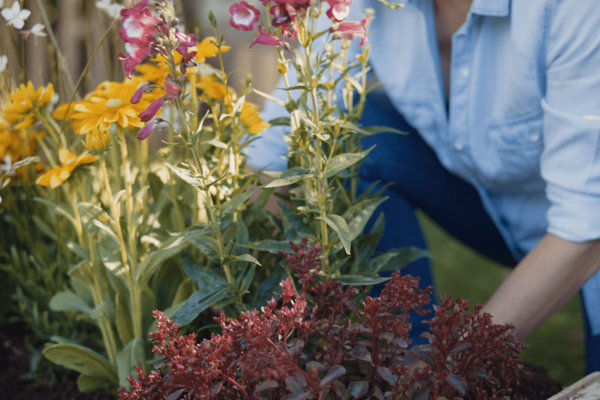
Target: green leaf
[
  {"x": 244, "y": 257},
  {"x": 338, "y": 224},
  {"x": 81, "y": 359},
  {"x": 280, "y": 121},
  {"x": 396, "y": 259},
  {"x": 233, "y": 204},
  {"x": 199, "y": 302},
  {"x": 44, "y": 228},
  {"x": 270, "y": 245},
  {"x": 87, "y": 383},
  {"x": 156, "y": 185},
  {"x": 69, "y": 301},
  {"x": 78, "y": 249},
  {"x": 132, "y": 355},
  {"x": 187, "y": 176},
  {"x": 155, "y": 258},
  {"x": 358, "y": 280},
  {"x": 343, "y": 161},
  {"x": 205, "y": 278},
  {"x": 289, "y": 177},
  {"x": 57, "y": 209},
  {"x": 123, "y": 318},
  {"x": 358, "y": 215}
]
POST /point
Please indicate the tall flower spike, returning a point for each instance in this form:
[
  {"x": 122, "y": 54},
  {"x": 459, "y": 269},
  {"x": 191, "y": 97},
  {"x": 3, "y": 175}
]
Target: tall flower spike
[{"x": 243, "y": 16}]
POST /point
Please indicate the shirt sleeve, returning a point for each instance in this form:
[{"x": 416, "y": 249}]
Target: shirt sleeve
[
  {"x": 270, "y": 150},
  {"x": 570, "y": 162}
]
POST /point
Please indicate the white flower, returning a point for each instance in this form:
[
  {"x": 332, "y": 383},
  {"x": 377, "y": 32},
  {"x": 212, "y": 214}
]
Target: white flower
[
  {"x": 37, "y": 30},
  {"x": 113, "y": 10},
  {"x": 15, "y": 16},
  {"x": 3, "y": 61}
]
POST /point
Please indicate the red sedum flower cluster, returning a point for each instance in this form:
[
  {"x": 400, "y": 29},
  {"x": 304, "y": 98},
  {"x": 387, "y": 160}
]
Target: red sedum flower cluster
[{"x": 317, "y": 344}]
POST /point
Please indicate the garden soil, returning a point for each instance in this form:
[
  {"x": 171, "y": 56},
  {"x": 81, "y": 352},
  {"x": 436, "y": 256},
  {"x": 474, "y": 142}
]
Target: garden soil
[{"x": 539, "y": 387}]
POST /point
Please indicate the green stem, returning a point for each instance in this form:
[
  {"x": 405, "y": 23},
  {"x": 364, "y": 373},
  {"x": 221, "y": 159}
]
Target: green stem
[
  {"x": 136, "y": 313},
  {"x": 47, "y": 152},
  {"x": 61, "y": 59},
  {"x": 129, "y": 198},
  {"x": 51, "y": 130},
  {"x": 321, "y": 182},
  {"x": 83, "y": 73}
]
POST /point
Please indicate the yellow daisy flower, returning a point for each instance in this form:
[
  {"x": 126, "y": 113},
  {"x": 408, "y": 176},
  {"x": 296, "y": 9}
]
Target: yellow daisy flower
[
  {"x": 213, "y": 89},
  {"x": 251, "y": 117},
  {"x": 20, "y": 112},
  {"x": 111, "y": 102},
  {"x": 207, "y": 49},
  {"x": 58, "y": 175}
]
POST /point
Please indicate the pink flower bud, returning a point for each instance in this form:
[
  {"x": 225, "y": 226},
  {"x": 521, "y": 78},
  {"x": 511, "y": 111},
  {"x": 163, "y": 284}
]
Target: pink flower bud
[
  {"x": 269, "y": 40},
  {"x": 272, "y": 303},
  {"x": 173, "y": 90},
  {"x": 243, "y": 16},
  {"x": 152, "y": 109},
  {"x": 137, "y": 96},
  {"x": 146, "y": 131}
]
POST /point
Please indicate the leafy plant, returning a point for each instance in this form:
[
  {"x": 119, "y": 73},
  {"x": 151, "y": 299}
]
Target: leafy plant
[{"x": 316, "y": 343}]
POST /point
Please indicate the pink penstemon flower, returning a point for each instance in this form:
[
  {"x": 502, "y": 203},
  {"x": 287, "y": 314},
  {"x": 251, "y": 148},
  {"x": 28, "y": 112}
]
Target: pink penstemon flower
[
  {"x": 137, "y": 31},
  {"x": 268, "y": 39},
  {"x": 351, "y": 30},
  {"x": 152, "y": 109},
  {"x": 243, "y": 16},
  {"x": 339, "y": 9}
]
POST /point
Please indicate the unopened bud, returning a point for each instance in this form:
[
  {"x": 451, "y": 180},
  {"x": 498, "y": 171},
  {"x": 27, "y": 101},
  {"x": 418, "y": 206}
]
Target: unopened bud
[
  {"x": 212, "y": 19},
  {"x": 96, "y": 140},
  {"x": 175, "y": 21}
]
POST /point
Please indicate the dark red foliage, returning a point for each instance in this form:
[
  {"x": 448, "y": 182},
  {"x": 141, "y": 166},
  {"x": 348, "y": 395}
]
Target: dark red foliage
[{"x": 318, "y": 345}]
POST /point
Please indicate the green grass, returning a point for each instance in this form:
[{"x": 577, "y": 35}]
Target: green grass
[{"x": 462, "y": 272}]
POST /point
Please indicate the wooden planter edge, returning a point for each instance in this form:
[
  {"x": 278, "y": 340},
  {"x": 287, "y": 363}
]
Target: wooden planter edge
[{"x": 579, "y": 387}]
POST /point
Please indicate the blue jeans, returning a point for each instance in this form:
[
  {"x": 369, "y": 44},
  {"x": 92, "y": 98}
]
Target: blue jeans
[{"x": 420, "y": 181}]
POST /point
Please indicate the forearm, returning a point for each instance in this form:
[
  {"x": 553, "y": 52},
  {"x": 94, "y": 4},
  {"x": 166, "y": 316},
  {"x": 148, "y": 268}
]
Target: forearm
[{"x": 543, "y": 282}]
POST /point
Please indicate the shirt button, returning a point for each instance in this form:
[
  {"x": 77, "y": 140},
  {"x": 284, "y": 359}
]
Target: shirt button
[
  {"x": 465, "y": 71},
  {"x": 534, "y": 136},
  {"x": 458, "y": 146}
]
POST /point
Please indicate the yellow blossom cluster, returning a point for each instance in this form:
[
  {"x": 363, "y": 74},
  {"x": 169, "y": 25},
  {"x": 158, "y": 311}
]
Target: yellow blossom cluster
[{"x": 25, "y": 101}]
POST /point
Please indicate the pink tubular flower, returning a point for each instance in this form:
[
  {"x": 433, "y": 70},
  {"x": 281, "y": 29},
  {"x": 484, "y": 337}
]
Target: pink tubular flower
[
  {"x": 185, "y": 41},
  {"x": 339, "y": 9},
  {"x": 137, "y": 31},
  {"x": 146, "y": 131},
  {"x": 268, "y": 39},
  {"x": 152, "y": 109},
  {"x": 137, "y": 96},
  {"x": 351, "y": 30},
  {"x": 243, "y": 16},
  {"x": 139, "y": 26},
  {"x": 172, "y": 89}
]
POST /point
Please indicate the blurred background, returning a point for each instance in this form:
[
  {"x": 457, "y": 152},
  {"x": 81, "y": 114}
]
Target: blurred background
[{"x": 79, "y": 25}]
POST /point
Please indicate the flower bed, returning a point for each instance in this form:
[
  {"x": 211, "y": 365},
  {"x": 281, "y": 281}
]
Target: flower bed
[{"x": 112, "y": 233}]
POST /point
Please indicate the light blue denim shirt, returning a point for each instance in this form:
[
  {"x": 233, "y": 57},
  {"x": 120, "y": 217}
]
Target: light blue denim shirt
[{"x": 524, "y": 75}]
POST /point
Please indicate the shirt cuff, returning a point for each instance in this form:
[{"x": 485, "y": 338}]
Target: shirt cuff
[{"x": 571, "y": 214}]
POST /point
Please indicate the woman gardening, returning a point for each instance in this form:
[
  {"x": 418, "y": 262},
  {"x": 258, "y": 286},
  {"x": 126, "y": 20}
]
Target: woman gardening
[{"x": 494, "y": 94}]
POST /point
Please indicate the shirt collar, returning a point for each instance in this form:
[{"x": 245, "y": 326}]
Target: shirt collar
[{"x": 492, "y": 8}]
